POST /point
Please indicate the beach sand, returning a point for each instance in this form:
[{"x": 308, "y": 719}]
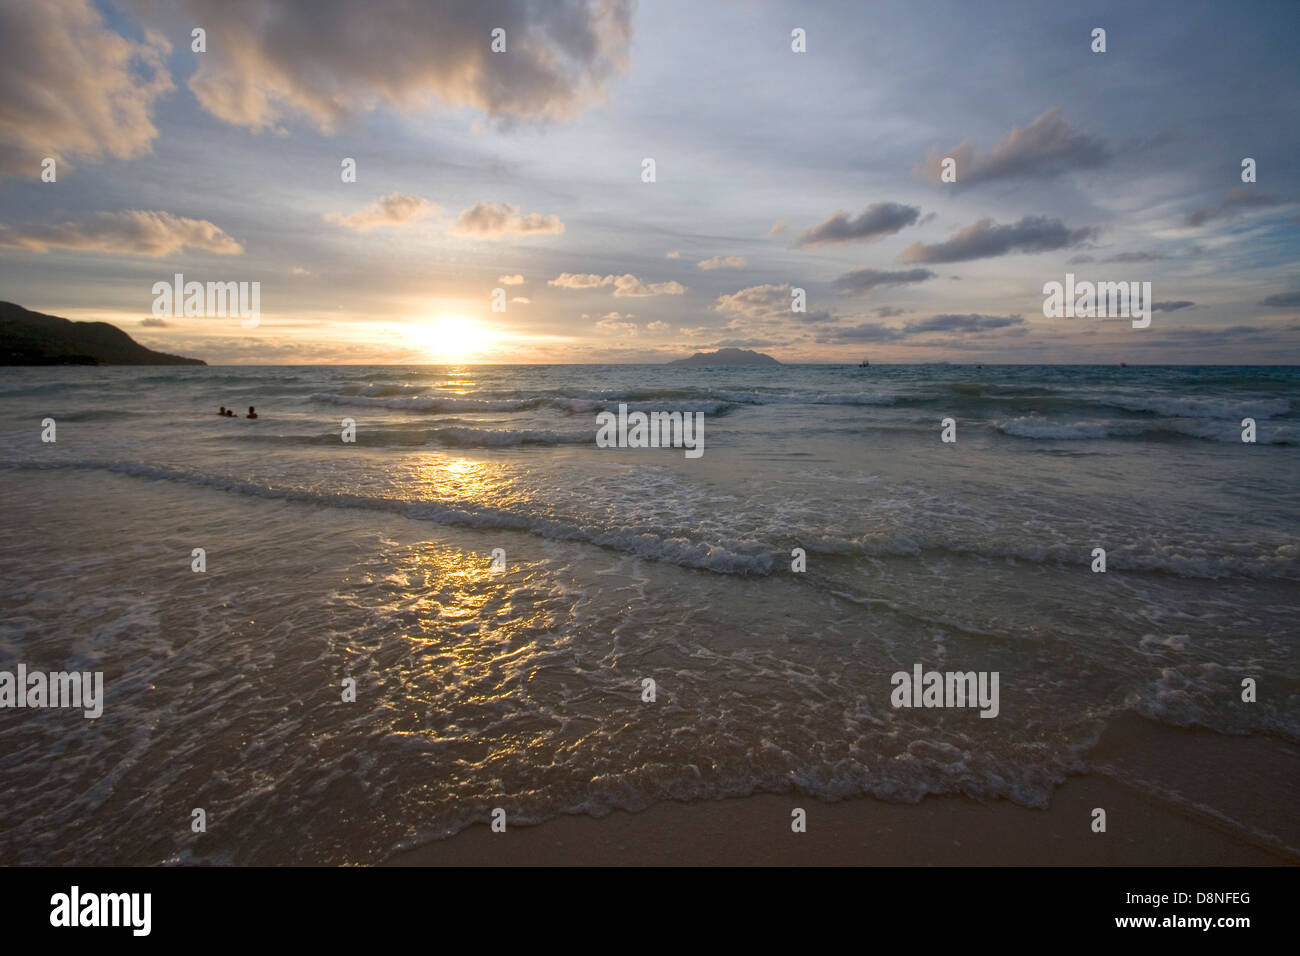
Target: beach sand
[{"x": 1164, "y": 822}]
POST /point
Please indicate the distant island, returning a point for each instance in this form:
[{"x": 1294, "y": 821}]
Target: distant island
[
  {"x": 33, "y": 338},
  {"x": 727, "y": 357}
]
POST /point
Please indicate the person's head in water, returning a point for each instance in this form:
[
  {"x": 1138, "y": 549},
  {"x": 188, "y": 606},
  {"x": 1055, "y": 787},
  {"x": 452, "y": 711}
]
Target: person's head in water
[
  {"x": 252, "y": 412},
  {"x": 222, "y": 410},
  {"x": 230, "y": 413}
]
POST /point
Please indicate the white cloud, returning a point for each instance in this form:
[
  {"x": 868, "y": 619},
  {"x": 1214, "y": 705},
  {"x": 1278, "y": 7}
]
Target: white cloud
[
  {"x": 395, "y": 209},
  {"x": 487, "y": 220},
  {"x": 624, "y": 285},
  {"x": 136, "y": 232},
  {"x": 73, "y": 89},
  {"x": 718, "y": 262}
]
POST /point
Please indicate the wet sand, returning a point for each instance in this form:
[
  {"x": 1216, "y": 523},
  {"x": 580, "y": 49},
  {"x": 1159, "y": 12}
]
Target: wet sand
[{"x": 1166, "y": 819}]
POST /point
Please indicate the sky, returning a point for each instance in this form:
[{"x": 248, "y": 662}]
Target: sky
[{"x": 775, "y": 169}]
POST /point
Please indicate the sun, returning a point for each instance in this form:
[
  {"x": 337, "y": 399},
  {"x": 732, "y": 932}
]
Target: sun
[{"x": 453, "y": 340}]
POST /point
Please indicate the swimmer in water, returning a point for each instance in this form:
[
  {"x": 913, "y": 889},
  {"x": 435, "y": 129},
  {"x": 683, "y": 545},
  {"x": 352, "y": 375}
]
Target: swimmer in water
[
  {"x": 222, "y": 411},
  {"x": 252, "y": 413}
]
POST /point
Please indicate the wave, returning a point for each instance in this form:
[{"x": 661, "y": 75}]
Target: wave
[
  {"x": 1212, "y": 408},
  {"x": 46, "y": 388},
  {"x": 460, "y": 437},
  {"x": 450, "y": 436},
  {"x": 436, "y": 405},
  {"x": 1034, "y": 427},
  {"x": 1181, "y": 559},
  {"x": 428, "y": 403},
  {"x": 730, "y": 556},
  {"x": 734, "y": 559}
]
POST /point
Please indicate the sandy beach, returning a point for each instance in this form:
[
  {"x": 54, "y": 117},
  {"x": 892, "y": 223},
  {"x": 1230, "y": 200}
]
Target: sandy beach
[{"x": 1169, "y": 826}]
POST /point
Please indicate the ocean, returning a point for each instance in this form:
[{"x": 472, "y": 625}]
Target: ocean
[{"x": 524, "y": 688}]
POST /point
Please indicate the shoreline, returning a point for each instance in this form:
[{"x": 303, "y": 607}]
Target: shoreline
[{"x": 1173, "y": 827}]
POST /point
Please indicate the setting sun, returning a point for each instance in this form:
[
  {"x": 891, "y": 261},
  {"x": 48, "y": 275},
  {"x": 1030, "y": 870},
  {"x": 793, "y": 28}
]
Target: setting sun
[{"x": 454, "y": 339}]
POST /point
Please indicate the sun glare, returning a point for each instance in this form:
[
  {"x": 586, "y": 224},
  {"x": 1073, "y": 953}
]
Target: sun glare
[{"x": 454, "y": 339}]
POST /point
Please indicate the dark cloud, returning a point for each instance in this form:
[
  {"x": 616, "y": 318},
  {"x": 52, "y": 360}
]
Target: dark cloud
[
  {"x": 1173, "y": 306},
  {"x": 863, "y": 280},
  {"x": 1136, "y": 257},
  {"x": 1079, "y": 260},
  {"x": 329, "y": 61},
  {"x": 1237, "y": 199},
  {"x": 1046, "y": 147},
  {"x": 1283, "y": 300},
  {"x": 744, "y": 344},
  {"x": 876, "y": 221},
  {"x": 154, "y": 323},
  {"x": 984, "y": 240},
  {"x": 955, "y": 324},
  {"x": 962, "y": 323},
  {"x": 888, "y": 311},
  {"x": 866, "y": 332}
]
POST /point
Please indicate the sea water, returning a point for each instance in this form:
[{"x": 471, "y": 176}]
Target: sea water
[{"x": 371, "y": 561}]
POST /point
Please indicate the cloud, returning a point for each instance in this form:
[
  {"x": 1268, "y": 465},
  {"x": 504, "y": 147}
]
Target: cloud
[
  {"x": 863, "y": 280},
  {"x": 487, "y": 220},
  {"x": 624, "y": 285},
  {"x": 984, "y": 240},
  {"x": 135, "y": 232},
  {"x": 1049, "y": 146},
  {"x": 658, "y": 327},
  {"x": 300, "y": 271},
  {"x": 72, "y": 88},
  {"x": 631, "y": 285},
  {"x": 522, "y": 300},
  {"x": 154, "y": 323},
  {"x": 866, "y": 332},
  {"x": 1283, "y": 300},
  {"x": 764, "y": 306},
  {"x": 954, "y": 324},
  {"x": 1172, "y": 306},
  {"x": 583, "y": 280},
  {"x": 511, "y": 280},
  {"x": 962, "y": 323},
  {"x": 888, "y": 312},
  {"x": 617, "y": 323},
  {"x": 757, "y": 301},
  {"x": 673, "y": 254},
  {"x": 1234, "y": 202},
  {"x": 779, "y": 228},
  {"x": 876, "y": 221},
  {"x": 1136, "y": 257},
  {"x": 395, "y": 209},
  {"x": 329, "y": 61},
  {"x": 1079, "y": 260},
  {"x": 718, "y": 262}
]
